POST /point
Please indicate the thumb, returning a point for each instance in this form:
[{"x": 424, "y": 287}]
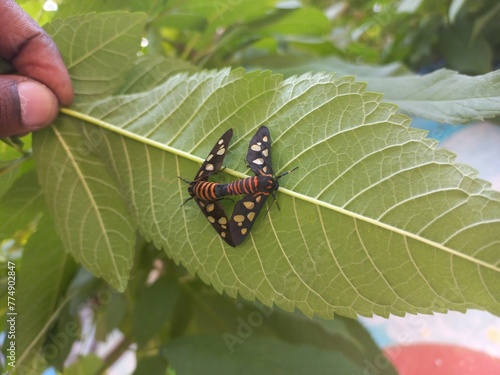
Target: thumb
[{"x": 25, "y": 106}]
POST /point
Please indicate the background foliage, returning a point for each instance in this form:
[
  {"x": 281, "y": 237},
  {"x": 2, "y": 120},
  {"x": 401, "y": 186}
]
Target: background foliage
[{"x": 376, "y": 220}]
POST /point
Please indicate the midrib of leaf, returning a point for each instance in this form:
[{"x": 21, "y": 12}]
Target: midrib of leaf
[
  {"x": 141, "y": 139},
  {"x": 387, "y": 227},
  {"x": 302, "y": 197},
  {"x": 90, "y": 196}
]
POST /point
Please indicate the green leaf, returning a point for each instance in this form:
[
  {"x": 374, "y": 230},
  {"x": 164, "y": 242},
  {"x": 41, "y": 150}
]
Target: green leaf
[
  {"x": 155, "y": 365},
  {"x": 182, "y": 21},
  {"x": 35, "y": 8},
  {"x": 347, "y": 229},
  {"x": 103, "y": 51},
  {"x": 20, "y": 205},
  {"x": 88, "y": 364},
  {"x": 9, "y": 172},
  {"x": 162, "y": 295},
  {"x": 148, "y": 72},
  {"x": 236, "y": 322},
  {"x": 377, "y": 220},
  {"x": 87, "y": 206},
  {"x": 303, "y": 21},
  {"x": 71, "y": 8},
  {"x": 45, "y": 275},
  {"x": 442, "y": 96},
  {"x": 343, "y": 336},
  {"x": 61, "y": 337},
  {"x": 111, "y": 315},
  {"x": 112, "y": 231},
  {"x": 221, "y": 15},
  {"x": 465, "y": 53},
  {"x": 274, "y": 357},
  {"x": 481, "y": 23},
  {"x": 13, "y": 163},
  {"x": 304, "y": 64}
]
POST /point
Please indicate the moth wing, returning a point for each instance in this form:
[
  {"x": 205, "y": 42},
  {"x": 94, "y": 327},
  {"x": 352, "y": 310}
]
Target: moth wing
[
  {"x": 216, "y": 216},
  {"x": 244, "y": 214},
  {"x": 215, "y": 158},
  {"x": 259, "y": 152}
]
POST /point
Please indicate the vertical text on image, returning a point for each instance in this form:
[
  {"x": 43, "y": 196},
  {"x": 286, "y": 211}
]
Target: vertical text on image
[{"x": 11, "y": 314}]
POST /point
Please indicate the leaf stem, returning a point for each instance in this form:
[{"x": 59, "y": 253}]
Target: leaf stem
[
  {"x": 389, "y": 227},
  {"x": 144, "y": 140}
]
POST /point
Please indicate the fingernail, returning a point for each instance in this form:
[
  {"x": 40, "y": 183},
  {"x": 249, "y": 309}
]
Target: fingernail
[{"x": 38, "y": 104}]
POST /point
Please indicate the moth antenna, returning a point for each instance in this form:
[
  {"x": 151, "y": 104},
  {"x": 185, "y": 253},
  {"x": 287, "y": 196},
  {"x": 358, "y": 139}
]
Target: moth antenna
[
  {"x": 187, "y": 200},
  {"x": 287, "y": 172},
  {"x": 183, "y": 179}
]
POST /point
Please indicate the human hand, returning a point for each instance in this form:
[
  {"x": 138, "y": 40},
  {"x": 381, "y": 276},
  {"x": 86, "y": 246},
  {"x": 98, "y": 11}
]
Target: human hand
[{"x": 29, "y": 99}]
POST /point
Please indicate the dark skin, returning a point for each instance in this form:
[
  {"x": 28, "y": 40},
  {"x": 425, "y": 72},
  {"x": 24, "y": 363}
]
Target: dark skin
[{"x": 29, "y": 99}]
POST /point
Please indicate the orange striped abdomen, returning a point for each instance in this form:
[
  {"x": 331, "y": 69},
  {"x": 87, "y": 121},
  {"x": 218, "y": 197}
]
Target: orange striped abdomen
[
  {"x": 212, "y": 191},
  {"x": 250, "y": 185},
  {"x": 205, "y": 190}
]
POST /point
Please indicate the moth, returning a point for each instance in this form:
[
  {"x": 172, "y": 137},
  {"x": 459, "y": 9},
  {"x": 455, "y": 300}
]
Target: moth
[
  {"x": 257, "y": 188},
  {"x": 207, "y": 194}
]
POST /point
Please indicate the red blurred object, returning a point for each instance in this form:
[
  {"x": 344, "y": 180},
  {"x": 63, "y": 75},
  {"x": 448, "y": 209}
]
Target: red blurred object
[{"x": 430, "y": 359}]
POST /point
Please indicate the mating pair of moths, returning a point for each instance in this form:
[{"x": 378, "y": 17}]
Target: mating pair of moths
[{"x": 256, "y": 189}]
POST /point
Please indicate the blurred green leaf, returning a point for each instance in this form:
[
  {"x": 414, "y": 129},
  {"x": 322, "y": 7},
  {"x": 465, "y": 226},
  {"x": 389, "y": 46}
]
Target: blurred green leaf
[
  {"x": 151, "y": 366},
  {"x": 59, "y": 340},
  {"x": 111, "y": 314},
  {"x": 146, "y": 322},
  {"x": 237, "y": 321},
  {"x": 465, "y": 53},
  {"x": 442, "y": 96},
  {"x": 274, "y": 357},
  {"x": 182, "y": 21},
  {"x": 303, "y": 21},
  {"x": 21, "y": 205},
  {"x": 14, "y": 162},
  {"x": 481, "y": 23},
  {"x": 42, "y": 283},
  {"x": 84, "y": 365},
  {"x": 109, "y": 53},
  {"x": 71, "y": 8},
  {"x": 305, "y": 64}
]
